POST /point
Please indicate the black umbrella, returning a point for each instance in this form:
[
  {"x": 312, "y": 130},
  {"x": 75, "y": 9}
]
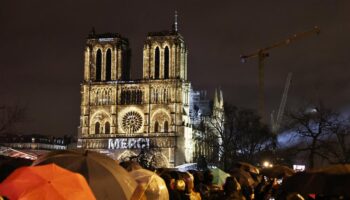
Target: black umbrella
[
  {"x": 247, "y": 167},
  {"x": 242, "y": 176},
  {"x": 106, "y": 178},
  {"x": 9, "y": 164},
  {"x": 333, "y": 180},
  {"x": 277, "y": 171}
]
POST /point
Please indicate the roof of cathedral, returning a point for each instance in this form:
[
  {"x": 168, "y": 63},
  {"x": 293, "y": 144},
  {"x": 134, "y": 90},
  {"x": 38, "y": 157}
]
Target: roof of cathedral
[{"x": 94, "y": 35}]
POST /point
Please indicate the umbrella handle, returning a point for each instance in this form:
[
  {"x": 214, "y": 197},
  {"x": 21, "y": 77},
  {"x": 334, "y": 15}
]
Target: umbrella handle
[{"x": 139, "y": 191}]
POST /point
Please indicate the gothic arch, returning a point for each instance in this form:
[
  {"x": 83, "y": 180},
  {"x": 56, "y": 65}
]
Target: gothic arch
[
  {"x": 102, "y": 96},
  {"x": 107, "y": 46},
  {"x": 97, "y": 128},
  {"x": 110, "y": 96},
  {"x": 159, "y": 117},
  {"x": 98, "y": 64},
  {"x": 107, "y": 128},
  {"x": 108, "y": 64},
  {"x": 166, "y": 62},
  {"x": 166, "y": 127},
  {"x": 156, "y": 127},
  {"x": 101, "y": 117},
  {"x": 156, "y": 62}
]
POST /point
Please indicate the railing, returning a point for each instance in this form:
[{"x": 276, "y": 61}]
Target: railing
[{"x": 126, "y": 135}]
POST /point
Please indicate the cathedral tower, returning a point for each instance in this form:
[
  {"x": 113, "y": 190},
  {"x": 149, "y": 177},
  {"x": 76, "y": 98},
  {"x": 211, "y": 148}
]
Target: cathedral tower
[
  {"x": 107, "y": 57},
  {"x": 165, "y": 55},
  {"x": 122, "y": 116}
]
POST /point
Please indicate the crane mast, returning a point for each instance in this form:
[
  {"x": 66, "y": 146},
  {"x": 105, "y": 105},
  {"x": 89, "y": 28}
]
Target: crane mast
[
  {"x": 263, "y": 53},
  {"x": 275, "y": 124}
]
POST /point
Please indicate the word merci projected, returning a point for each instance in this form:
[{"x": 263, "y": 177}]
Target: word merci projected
[{"x": 128, "y": 143}]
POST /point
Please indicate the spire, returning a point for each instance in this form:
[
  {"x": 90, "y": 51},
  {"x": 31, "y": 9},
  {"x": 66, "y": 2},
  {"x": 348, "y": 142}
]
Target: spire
[
  {"x": 221, "y": 99},
  {"x": 175, "y": 29},
  {"x": 216, "y": 100}
]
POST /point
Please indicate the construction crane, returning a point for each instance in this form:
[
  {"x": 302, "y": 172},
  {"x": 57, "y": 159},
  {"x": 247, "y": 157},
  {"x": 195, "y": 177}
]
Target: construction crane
[
  {"x": 276, "y": 123},
  {"x": 263, "y": 53}
]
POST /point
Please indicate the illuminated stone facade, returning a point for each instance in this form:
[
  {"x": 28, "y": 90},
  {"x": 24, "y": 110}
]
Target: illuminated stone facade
[{"x": 120, "y": 116}]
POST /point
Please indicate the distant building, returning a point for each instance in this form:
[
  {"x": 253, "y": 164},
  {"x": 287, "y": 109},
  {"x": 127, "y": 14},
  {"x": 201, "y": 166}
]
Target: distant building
[
  {"x": 200, "y": 106},
  {"x": 208, "y": 120},
  {"x": 34, "y": 142}
]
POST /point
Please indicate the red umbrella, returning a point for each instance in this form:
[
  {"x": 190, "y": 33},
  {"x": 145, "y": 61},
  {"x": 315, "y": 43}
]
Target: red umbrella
[{"x": 45, "y": 182}]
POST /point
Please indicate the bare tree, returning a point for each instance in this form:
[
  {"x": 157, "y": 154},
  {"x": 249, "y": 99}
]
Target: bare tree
[
  {"x": 337, "y": 147},
  {"x": 312, "y": 126},
  {"x": 236, "y": 135},
  {"x": 9, "y": 117},
  {"x": 253, "y": 136}
]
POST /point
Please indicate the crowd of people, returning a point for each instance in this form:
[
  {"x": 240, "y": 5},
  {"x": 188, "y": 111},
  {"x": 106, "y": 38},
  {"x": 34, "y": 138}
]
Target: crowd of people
[
  {"x": 178, "y": 184},
  {"x": 198, "y": 185}
]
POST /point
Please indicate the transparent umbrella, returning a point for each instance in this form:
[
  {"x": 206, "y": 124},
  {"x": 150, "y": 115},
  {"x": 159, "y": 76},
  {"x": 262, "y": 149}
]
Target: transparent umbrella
[
  {"x": 106, "y": 178},
  {"x": 219, "y": 176},
  {"x": 153, "y": 186}
]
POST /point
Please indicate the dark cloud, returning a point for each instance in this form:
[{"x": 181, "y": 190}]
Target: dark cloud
[{"x": 41, "y": 53}]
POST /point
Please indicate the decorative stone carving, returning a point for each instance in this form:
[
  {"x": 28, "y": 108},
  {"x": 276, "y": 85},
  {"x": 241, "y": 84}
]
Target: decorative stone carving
[{"x": 132, "y": 122}]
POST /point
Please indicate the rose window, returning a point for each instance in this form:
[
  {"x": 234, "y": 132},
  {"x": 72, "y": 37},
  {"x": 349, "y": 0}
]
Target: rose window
[{"x": 132, "y": 122}]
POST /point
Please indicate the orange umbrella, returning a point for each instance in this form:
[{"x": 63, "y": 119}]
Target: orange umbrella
[
  {"x": 107, "y": 180},
  {"x": 45, "y": 182}
]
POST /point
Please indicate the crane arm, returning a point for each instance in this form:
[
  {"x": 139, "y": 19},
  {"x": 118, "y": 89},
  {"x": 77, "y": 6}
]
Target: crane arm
[
  {"x": 276, "y": 123},
  {"x": 284, "y": 99},
  {"x": 285, "y": 42}
]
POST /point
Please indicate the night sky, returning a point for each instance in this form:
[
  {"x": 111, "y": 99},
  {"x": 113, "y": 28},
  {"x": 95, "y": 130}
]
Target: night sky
[{"x": 41, "y": 52}]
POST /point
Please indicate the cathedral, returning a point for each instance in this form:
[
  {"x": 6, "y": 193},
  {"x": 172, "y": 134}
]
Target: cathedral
[{"x": 121, "y": 116}]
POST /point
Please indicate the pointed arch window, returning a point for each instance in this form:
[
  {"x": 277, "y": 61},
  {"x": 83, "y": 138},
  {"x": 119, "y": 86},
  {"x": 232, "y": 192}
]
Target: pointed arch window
[
  {"x": 128, "y": 97},
  {"x": 97, "y": 128},
  {"x": 166, "y": 63},
  {"x": 156, "y": 127},
  {"x": 156, "y": 63},
  {"x": 166, "y": 127},
  {"x": 98, "y": 64},
  {"x": 107, "y": 128},
  {"x": 108, "y": 64}
]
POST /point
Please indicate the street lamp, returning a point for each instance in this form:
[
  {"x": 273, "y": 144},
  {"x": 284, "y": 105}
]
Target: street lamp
[{"x": 267, "y": 164}]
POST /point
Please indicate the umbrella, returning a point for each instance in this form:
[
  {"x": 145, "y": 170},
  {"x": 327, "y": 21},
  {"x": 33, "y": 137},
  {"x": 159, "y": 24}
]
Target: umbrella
[
  {"x": 333, "y": 180},
  {"x": 9, "y": 164},
  {"x": 130, "y": 165},
  {"x": 219, "y": 176},
  {"x": 247, "y": 167},
  {"x": 45, "y": 182},
  {"x": 154, "y": 186},
  {"x": 243, "y": 177},
  {"x": 106, "y": 178},
  {"x": 277, "y": 171}
]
